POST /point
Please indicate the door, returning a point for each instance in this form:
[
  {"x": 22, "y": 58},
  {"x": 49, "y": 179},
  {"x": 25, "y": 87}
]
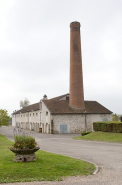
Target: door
[{"x": 63, "y": 129}]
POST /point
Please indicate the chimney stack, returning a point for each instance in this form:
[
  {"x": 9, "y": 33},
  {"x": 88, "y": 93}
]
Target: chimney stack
[{"x": 76, "y": 76}]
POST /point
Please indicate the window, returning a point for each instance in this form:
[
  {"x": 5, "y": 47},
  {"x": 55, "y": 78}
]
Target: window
[
  {"x": 33, "y": 114},
  {"x": 26, "y": 115},
  {"x": 105, "y": 119},
  {"x": 36, "y": 114},
  {"x": 30, "y": 115},
  {"x": 46, "y": 113}
]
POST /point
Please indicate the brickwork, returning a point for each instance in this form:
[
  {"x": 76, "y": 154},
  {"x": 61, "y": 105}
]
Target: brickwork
[{"x": 76, "y": 76}]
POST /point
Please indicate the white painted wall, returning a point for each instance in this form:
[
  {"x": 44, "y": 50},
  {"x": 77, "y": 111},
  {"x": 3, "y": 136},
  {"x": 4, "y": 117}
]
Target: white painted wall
[
  {"x": 13, "y": 120},
  {"x": 31, "y": 120},
  {"x": 46, "y": 118}
]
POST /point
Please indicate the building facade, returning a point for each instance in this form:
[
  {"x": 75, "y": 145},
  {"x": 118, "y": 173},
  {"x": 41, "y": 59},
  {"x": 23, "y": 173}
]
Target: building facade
[{"x": 56, "y": 116}]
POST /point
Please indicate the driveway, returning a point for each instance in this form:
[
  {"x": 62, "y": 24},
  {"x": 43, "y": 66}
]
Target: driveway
[{"x": 108, "y": 156}]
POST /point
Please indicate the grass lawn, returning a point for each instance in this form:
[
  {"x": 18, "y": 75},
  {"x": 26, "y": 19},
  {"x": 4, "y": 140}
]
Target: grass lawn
[
  {"x": 48, "y": 167},
  {"x": 102, "y": 136}
]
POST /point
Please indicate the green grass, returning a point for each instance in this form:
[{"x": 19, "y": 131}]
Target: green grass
[
  {"x": 48, "y": 167},
  {"x": 102, "y": 136}
]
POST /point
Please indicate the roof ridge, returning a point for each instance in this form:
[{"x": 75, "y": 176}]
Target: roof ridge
[
  {"x": 26, "y": 109},
  {"x": 58, "y": 97}
]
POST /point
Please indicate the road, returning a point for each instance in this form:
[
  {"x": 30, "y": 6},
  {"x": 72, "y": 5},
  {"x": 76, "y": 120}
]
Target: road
[{"x": 107, "y": 156}]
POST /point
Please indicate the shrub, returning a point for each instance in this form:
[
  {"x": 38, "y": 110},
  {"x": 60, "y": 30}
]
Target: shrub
[
  {"x": 85, "y": 133},
  {"x": 108, "y": 126},
  {"x": 97, "y": 126},
  {"x": 22, "y": 142}
]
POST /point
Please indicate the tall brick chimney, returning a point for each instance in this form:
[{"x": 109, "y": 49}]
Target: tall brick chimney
[{"x": 76, "y": 76}]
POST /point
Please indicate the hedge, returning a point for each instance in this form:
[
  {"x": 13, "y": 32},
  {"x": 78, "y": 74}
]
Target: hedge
[
  {"x": 85, "y": 133},
  {"x": 108, "y": 126}
]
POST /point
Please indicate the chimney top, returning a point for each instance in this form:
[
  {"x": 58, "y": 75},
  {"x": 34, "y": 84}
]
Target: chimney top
[{"x": 75, "y": 24}]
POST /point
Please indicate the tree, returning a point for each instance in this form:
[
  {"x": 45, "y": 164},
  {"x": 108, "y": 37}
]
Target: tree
[
  {"x": 4, "y": 117},
  {"x": 115, "y": 117},
  {"x": 24, "y": 103}
]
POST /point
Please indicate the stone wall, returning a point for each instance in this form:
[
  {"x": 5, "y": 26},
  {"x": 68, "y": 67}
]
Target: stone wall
[{"x": 77, "y": 123}]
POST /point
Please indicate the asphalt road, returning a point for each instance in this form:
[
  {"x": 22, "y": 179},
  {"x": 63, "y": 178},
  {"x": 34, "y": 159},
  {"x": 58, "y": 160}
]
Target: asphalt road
[{"x": 107, "y": 156}]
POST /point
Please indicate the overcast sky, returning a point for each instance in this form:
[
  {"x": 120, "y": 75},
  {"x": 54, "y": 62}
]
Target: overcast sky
[{"x": 35, "y": 50}]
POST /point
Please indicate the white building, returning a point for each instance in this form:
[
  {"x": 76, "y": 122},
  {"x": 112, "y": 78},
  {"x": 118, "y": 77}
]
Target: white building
[{"x": 56, "y": 116}]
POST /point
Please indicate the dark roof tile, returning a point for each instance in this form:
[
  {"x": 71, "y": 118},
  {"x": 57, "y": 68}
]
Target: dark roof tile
[
  {"x": 62, "y": 107},
  {"x": 29, "y": 108},
  {"x": 57, "y": 106}
]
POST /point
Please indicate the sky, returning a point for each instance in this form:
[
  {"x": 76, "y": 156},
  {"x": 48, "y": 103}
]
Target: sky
[{"x": 35, "y": 50}]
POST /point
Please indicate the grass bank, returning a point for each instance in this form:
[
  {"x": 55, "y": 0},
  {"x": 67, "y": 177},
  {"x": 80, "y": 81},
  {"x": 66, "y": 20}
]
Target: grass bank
[
  {"x": 102, "y": 136},
  {"x": 48, "y": 167}
]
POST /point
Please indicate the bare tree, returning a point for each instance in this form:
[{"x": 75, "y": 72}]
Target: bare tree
[{"x": 24, "y": 103}]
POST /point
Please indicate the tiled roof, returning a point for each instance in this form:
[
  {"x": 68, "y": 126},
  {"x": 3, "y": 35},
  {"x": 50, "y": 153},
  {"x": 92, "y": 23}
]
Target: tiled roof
[
  {"x": 62, "y": 107},
  {"x": 57, "y": 106},
  {"x": 29, "y": 108}
]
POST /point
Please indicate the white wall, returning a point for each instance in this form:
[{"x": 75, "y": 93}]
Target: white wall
[
  {"x": 13, "y": 120},
  {"x": 46, "y": 118},
  {"x": 31, "y": 120}
]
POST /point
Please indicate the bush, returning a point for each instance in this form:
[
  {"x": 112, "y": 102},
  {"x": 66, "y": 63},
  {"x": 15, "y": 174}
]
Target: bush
[
  {"x": 85, "y": 133},
  {"x": 108, "y": 126},
  {"x": 97, "y": 126},
  {"x": 22, "y": 142}
]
